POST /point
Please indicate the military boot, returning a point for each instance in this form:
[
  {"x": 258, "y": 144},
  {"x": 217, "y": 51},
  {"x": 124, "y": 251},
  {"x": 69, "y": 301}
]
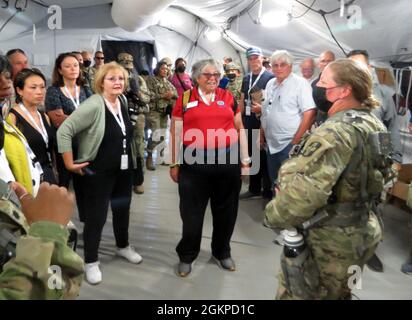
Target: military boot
[
  {"x": 149, "y": 162},
  {"x": 138, "y": 189},
  {"x": 375, "y": 264}
]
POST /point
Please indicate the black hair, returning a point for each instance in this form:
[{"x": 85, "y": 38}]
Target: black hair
[
  {"x": 144, "y": 73},
  {"x": 22, "y": 76},
  {"x": 158, "y": 66},
  {"x": 178, "y": 60},
  {"x": 359, "y": 51},
  {"x": 13, "y": 51},
  {"x": 57, "y": 78},
  {"x": 5, "y": 65}
]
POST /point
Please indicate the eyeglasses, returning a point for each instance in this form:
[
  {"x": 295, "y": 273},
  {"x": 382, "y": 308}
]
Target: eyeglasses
[
  {"x": 114, "y": 79},
  {"x": 99, "y": 58},
  {"x": 280, "y": 66},
  {"x": 209, "y": 75}
]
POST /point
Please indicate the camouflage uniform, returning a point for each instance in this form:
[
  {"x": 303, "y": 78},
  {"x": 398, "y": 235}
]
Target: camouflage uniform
[
  {"x": 91, "y": 74},
  {"x": 39, "y": 247},
  {"x": 157, "y": 117},
  {"x": 234, "y": 87},
  {"x": 86, "y": 78},
  {"x": 324, "y": 175},
  {"x": 144, "y": 96}
]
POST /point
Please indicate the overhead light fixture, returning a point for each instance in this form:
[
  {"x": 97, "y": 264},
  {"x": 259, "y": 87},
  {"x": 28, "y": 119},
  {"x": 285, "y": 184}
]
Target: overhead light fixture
[
  {"x": 275, "y": 19},
  {"x": 213, "y": 35}
]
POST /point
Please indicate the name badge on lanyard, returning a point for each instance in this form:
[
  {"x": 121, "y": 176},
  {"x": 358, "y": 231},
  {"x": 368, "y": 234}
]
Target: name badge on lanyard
[
  {"x": 124, "y": 159},
  {"x": 75, "y": 100},
  {"x": 248, "y": 107}
]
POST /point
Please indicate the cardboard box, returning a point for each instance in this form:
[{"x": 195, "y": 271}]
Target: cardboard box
[
  {"x": 385, "y": 76},
  {"x": 401, "y": 188}
]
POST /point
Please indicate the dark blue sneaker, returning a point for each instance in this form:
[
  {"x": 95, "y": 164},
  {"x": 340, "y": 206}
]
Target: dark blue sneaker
[{"x": 407, "y": 267}]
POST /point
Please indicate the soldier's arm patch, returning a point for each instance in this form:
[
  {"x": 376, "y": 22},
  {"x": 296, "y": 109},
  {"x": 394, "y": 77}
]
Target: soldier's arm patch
[{"x": 311, "y": 149}]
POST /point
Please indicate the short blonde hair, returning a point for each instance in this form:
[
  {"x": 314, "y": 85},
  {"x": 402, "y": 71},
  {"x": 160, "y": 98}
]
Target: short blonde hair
[{"x": 104, "y": 70}]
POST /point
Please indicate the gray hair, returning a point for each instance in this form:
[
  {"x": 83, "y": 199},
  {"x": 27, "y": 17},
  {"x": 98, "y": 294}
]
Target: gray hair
[
  {"x": 282, "y": 55},
  {"x": 198, "y": 67}
]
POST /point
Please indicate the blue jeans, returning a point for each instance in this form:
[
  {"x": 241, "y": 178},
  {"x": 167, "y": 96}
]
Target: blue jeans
[{"x": 275, "y": 161}]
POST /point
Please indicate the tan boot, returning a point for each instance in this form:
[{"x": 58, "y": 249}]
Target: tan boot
[
  {"x": 138, "y": 189},
  {"x": 149, "y": 162}
]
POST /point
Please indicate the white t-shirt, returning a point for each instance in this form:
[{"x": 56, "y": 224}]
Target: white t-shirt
[{"x": 283, "y": 109}]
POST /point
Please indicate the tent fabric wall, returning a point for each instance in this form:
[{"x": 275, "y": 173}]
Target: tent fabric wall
[{"x": 386, "y": 28}]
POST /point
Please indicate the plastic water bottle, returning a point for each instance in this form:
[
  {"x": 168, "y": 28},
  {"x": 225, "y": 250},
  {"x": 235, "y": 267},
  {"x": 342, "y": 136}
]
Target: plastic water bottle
[{"x": 294, "y": 244}]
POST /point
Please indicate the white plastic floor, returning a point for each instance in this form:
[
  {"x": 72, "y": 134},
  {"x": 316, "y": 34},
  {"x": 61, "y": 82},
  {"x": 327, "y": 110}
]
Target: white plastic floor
[{"x": 155, "y": 229}]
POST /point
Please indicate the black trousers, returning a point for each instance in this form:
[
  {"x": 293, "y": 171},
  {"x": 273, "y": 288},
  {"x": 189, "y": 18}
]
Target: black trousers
[
  {"x": 197, "y": 184},
  {"x": 261, "y": 179},
  {"x": 100, "y": 189},
  {"x": 81, "y": 200}
]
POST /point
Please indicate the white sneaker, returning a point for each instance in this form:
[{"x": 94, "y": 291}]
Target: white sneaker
[
  {"x": 93, "y": 273},
  {"x": 130, "y": 254}
]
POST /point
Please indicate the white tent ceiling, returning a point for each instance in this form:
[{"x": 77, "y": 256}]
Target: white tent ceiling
[{"x": 385, "y": 33}]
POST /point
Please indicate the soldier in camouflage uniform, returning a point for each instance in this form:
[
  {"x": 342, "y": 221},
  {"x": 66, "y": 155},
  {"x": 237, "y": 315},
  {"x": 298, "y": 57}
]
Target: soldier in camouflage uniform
[
  {"x": 40, "y": 264},
  {"x": 328, "y": 186},
  {"x": 163, "y": 95},
  {"x": 235, "y": 83},
  {"x": 87, "y": 61},
  {"x": 98, "y": 61},
  {"x": 169, "y": 64},
  {"x": 138, "y": 98}
]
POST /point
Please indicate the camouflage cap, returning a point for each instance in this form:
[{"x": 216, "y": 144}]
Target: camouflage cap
[
  {"x": 126, "y": 60},
  {"x": 232, "y": 66},
  {"x": 167, "y": 60}
]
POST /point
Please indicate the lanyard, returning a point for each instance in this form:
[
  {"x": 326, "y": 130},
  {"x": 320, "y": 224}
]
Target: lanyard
[
  {"x": 42, "y": 130},
  {"x": 76, "y": 102},
  {"x": 255, "y": 82},
  {"x": 119, "y": 119},
  {"x": 212, "y": 97}
]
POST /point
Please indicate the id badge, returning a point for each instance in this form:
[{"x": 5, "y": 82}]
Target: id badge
[
  {"x": 124, "y": 162},
  {"x": 248, "y": 108},
  {"x": 38, "y": 168}
]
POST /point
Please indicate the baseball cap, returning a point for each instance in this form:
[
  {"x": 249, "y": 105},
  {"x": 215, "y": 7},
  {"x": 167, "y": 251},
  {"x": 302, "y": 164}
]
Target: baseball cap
[{"x": 253, "y": 51}]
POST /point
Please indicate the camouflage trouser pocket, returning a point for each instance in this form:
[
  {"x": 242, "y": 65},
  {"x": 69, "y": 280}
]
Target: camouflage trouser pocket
[{"x": 301, "y": 276}]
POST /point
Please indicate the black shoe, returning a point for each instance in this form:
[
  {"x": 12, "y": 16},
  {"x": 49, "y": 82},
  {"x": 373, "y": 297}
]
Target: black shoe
[
  {"x": 184, "y": 269},
  {"x": 375, "y": 264},
  {"x": 227, "y": 263},
  {"x": 248, "y": 195}
]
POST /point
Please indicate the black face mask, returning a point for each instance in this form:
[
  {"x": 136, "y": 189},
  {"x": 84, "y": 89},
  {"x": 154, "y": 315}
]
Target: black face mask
[
  {"x": 87, "y": 63},
  {"x": 319, "y": 95},
  {"x": 181, "y": 69},
  {"x": 231, "y": 76}
]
